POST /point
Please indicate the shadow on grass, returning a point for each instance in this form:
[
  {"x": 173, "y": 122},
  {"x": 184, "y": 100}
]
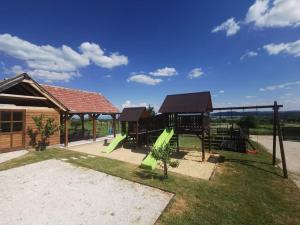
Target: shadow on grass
[
  {"x": 148, "y": 175},
  {"x": 251, "y": 163}
]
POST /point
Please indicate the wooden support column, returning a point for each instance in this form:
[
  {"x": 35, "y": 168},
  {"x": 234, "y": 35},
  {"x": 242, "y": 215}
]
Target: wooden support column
[
  {"x": 66, "y": 119},
  {"x": 202, "y": 143},
  {"x": 82, "y": 124},
  {"x": 137, "y": 133},
  {"x": 209, "y": 141},
  {"x": 275, "y": 113},
  {"x": 114, "y": 124},
  {"x": 94, "y": 128},
  {"x": 177, "y": 137},
  {"x": 94, "y": 119},
  {"x": 285, "y": 173},
  {"x": 203, "y": 137}
]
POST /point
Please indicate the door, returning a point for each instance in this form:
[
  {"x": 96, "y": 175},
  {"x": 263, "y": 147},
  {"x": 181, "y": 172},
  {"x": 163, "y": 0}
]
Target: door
[{"x": 11, "y": 130}]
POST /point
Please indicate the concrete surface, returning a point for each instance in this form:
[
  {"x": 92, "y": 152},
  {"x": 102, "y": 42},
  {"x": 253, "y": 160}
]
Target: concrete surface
[
  {"x": 11, "y": 155},
  {"x": 56, "y": 192},
  {"x": 292, "y": 154}
]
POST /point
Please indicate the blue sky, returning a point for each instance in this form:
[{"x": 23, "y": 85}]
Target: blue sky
[{"x": 136, "y": 52}]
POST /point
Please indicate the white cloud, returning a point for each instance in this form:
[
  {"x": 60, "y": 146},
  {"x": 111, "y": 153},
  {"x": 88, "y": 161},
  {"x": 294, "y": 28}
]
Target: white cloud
[
  {"x": 128, "y": 103},
  {"x": 249, "y": 54},
  {"x": 16, "y": 69},
  {"x": 195, "y": 73},
  {"x": 164, "y": 72},
  {"x": 144, "y": 79},
  {"x": 274, "y": 13},
  {"x": 47, "y": 62},
  {"x": 221, "y": 91},
  {"x": 290, "y": 48},
  {"x": 231, "y": 27},
  {"x": 280, "y": 86},
  {"x": 250, "y": 96}
]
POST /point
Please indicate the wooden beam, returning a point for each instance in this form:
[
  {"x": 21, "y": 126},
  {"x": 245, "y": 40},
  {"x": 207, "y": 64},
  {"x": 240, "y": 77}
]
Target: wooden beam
[
  {"x": 45, "y": 93},
  {"x": 94, "y": 128},
  {"x": 275, "y": 113},
  {"x": 248, "y": 107},
  {"x": 137, "y": 133},
  {"x": 285, "y": 173},
  {"x": 82, "y": 124},
  {"x": 203, "y": 148},
  {"x": 114, "y": 124},
  {"x": 209, "y": 141},
  {"x": 66, "y": 119},
  {"x": 27, "y": 97}
]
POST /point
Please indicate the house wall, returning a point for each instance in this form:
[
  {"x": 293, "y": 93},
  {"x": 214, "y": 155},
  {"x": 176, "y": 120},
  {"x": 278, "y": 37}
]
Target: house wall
[{"x": 49, "y": 113}]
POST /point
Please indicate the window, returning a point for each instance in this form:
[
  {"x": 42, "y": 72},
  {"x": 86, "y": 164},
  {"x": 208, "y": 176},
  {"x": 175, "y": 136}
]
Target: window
[
  {"x": 17, "y": 116},
  {"x": 5, "y": 116},
  {"x": 17, "y": 126},
  {"x": 11, "y": 121}
]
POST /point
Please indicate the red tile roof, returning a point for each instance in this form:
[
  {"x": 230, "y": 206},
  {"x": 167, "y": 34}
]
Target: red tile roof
[{"x": 81, "y": 101}]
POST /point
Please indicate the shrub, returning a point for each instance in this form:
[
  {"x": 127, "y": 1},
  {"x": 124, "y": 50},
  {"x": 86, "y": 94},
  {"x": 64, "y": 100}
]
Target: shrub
[
  {"x": 45, "y": 128},
  {"x": 163, "y": 154}
]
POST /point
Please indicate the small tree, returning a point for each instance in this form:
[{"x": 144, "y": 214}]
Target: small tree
[
  {"x": 151, "y": 111},
  {"x": 163, "y": 154},
  {"x": 44, "y": 129}
]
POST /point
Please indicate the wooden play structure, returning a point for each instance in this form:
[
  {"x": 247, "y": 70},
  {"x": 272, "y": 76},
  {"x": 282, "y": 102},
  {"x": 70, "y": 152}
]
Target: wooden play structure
[{"x": 189, "y": 114}]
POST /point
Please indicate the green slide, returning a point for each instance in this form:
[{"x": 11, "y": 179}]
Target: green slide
[
  {"x": 149, "y": 162},
  {"x": 113, "y": 145}
]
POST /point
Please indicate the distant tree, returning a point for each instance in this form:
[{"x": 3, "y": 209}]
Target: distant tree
[
  {"x": 45, "y": 128},
  {"x": 151, "y": 111},
  {"x": 164, "y": 155},
  {"x": 248, "y": 122}
]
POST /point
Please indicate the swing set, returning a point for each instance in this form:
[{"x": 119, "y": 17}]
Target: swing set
[{"x": 276, "y": 130}]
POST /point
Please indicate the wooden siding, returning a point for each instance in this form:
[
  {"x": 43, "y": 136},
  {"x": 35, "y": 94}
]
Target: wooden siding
[
  {"x": 5, "y": 141},
  {"x": 49, "y": 113}
]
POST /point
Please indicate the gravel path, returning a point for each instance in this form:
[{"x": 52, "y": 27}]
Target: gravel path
[
  {"x": 292, "y": 154},
  {"x": 11, "y": 155},
  {"x": 56, "y": 192}
]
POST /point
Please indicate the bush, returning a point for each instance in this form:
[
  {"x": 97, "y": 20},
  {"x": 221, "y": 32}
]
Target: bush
[
  {"x": 163, "y": 154},
  {"x": 44, "y": 129}
]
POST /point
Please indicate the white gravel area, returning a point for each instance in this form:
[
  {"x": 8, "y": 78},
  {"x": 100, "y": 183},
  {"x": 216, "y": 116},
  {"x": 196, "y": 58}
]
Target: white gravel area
[
  {"x": 292, "y": 154},
  {"x": 56, "y": 192},
  {"x": 11, "y": 155}
]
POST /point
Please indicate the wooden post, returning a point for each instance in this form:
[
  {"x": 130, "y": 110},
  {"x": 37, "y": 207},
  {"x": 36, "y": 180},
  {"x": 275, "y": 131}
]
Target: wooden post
[
  {"x": 66, "y": 129},
  {"x": 209, "y": 141},
  {"x": 94, "y": 127},
  {"x": 275, "y": 113},
  {"x": 177, "y": 142},
  {"x": 285, "y": 173},
  {"x": 202, "y": 143},
  {"x": 82, "y": 124},
  {"x": 114, "y": 124},
  {"x": 137, "y": 133}
]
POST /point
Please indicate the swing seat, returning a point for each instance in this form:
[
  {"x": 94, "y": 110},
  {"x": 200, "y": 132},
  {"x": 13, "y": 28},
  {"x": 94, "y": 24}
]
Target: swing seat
[{"x": 252, "y": 151}]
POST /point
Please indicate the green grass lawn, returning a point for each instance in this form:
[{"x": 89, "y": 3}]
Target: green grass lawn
[{"x": 246, "y": 189}]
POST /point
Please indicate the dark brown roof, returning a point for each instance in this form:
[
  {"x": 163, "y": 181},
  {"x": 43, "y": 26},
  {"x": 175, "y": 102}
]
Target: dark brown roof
[
  {"x": 198, "y": 102},
  {"x": 133, "y": 114},
  {"x": 81, "y": 101}
]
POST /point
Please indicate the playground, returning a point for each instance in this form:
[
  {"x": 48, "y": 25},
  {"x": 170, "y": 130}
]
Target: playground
[{"x": 190, "y": 162}]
